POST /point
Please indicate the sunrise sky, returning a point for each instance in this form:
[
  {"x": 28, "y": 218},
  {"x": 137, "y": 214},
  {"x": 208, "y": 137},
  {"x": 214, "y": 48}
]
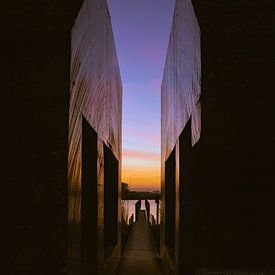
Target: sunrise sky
[{"x": 141, "y": 31}]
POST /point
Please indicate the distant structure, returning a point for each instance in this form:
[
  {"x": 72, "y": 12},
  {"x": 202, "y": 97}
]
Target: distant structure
[
  {"x": 142, "y": 195},
  {"x": 217, "y": 139},
  {"x": 61, "y": 136}
]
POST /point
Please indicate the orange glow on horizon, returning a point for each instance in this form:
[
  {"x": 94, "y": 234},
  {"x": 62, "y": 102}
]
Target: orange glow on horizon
[{"x": 141, "y": 170}]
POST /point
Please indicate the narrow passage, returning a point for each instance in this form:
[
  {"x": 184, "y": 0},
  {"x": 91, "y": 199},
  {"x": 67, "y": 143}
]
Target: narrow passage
[{"x": 141, "y": 255}]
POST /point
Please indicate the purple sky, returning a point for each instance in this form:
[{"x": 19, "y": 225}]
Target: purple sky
[{"x": 141, "y": 31}]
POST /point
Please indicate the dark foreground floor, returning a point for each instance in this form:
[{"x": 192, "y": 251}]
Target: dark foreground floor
[{"x": 141, "y": 255}]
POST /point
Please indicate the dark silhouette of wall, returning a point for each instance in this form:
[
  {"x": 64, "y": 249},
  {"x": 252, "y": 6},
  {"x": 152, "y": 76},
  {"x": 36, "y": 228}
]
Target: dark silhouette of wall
[
  {"x": 36, "y": 51},
  {"x": 227, "y": 202},
  {"x": 110, "y": 202},
  {"x": 170, "y": 203},
  {"x": 236, "y": 150},
  {"x": 186, "y": 248},
  {"x": 89, "y": 201}
]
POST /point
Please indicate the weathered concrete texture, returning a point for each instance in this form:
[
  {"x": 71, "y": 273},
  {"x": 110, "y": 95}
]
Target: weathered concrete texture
[
  {"x": 96, "y": 94},
  {"x": 224, "y": 206},
  {"x": 180, "y": 102},
  {"x": 141, "y": 255},
  {"x": 181, "y": 83}
]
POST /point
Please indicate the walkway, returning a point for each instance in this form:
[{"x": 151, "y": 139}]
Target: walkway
[{"x": 141, "y": 256}]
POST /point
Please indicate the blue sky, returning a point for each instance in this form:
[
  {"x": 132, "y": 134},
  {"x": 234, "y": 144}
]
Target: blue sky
[{"x": 141, "y": 30}]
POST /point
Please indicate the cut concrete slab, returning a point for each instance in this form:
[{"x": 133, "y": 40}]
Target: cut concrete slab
[{"x": 141, "y": 255}]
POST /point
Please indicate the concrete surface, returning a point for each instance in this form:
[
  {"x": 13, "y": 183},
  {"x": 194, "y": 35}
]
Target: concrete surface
[{"x": 141, "y": 255}]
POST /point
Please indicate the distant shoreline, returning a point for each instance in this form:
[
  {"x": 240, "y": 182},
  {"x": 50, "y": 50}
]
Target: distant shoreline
[{"x": 141, "y": 195}]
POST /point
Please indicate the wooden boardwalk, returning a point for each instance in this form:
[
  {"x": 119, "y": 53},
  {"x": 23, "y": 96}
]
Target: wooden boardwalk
[{"x": 141, "y": 255}]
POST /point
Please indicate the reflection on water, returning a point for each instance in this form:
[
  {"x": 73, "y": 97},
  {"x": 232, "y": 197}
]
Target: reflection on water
[{"x": 128, "y": 208}]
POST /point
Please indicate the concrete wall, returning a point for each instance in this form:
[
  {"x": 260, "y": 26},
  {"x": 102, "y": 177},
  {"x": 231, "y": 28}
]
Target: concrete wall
[
  {"x": 236, "y": 151},
  {"x": 36, "y": 83},
  {"x": 35, "y": 51},
  {"x": 180, "y": 99},
  {"x": 96, "y": 94},
  {"x": 181, "y": 81},
  {"x": 223, "y": 201}
]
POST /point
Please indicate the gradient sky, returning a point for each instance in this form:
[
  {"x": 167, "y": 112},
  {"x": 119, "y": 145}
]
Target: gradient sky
[{"x": 141, "y": 31}]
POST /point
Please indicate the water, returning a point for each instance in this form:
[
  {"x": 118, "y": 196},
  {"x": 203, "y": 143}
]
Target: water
[{"x": 129, "y": 208}]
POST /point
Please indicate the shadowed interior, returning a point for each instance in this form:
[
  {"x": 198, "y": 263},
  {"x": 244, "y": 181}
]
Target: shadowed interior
[
  {"x": 110, "y": 200},
  {"x": 89, "y": 199},
  {"x": 170, "y": 204}
]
